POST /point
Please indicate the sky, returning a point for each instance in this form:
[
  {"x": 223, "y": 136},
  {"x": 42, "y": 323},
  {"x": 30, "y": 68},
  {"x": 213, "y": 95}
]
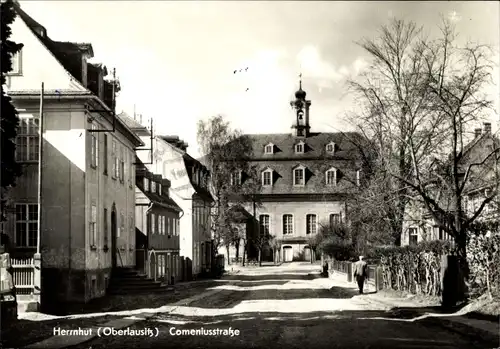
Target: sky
[{"x": 176, "y": 59}]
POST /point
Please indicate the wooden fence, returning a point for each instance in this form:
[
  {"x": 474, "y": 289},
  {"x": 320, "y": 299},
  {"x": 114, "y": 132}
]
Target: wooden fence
[
  {"x": 23, "y": 275},
  {"x": 345, "y": 269}
]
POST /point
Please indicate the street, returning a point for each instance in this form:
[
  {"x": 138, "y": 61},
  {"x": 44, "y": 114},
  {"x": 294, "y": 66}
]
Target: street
[{"x": 282, "y": 307}]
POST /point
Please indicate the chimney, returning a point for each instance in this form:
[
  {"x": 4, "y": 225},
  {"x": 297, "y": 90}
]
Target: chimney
[
  {"x": 140, "y": 119},
  {"x": 477, "y": 132},
  {"x": 487, "y": 127}
]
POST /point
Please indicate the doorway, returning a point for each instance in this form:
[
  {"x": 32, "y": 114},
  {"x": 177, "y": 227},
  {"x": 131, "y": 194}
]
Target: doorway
[
  {"x": 287, "y": 254},
  {"x": 113, "y": 238}
]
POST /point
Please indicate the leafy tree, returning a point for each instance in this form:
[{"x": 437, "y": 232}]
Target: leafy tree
[
  {"x": 336, "y": 241},
  {"x": 314, "y": 242},
  {"x": 261, "y": 241},
  {"x": 9, "y": 116},
  {"x": 275, "y": 245}
]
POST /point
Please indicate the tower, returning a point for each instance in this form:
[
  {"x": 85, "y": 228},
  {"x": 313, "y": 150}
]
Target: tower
[{"x": 300, "y": 107}]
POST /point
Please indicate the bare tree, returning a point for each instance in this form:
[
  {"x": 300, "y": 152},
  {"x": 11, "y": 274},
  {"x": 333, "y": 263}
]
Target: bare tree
[
  {"x": 226, "y": 152},
  {"x": 456, "y": 79},
  {"x": 395, "y": 111},
  {"x": 261, "y": 241},
  {"x": 275, "y": 245}
]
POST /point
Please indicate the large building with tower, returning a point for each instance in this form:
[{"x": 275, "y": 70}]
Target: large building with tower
[{"x": 305, "y": 178}]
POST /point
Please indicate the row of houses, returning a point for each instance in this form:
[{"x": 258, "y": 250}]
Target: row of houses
[{"x": 112, "y": 194}]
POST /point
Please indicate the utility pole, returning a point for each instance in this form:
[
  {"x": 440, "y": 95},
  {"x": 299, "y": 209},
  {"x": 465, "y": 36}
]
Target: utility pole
[{"x": 40, "y": 159}]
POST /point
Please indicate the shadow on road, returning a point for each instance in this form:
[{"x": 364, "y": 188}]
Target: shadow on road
[{"x": 297, "y": 276}]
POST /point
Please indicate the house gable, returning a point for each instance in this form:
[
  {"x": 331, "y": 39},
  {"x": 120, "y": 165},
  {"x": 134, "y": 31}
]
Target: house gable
[{"x": 33, "y": 55}]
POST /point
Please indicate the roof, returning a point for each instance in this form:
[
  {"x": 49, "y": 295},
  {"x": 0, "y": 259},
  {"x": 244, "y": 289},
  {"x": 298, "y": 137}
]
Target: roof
[
  {"x": 346, "y": 159},
  {"x": 162, "y": 201},
  {"x": 284, "y": 143},
  {"x": 204, "y": 193},
  {"x": 69, "y": 56},
  {"x": 130, "y": 122}
]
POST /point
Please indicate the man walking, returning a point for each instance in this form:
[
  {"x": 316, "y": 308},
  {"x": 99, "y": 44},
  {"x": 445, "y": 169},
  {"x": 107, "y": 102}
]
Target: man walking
[{"x": 360, "y": 273}]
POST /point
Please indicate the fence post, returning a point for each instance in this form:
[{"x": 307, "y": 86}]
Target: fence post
[{"x": 349, "y": 272}]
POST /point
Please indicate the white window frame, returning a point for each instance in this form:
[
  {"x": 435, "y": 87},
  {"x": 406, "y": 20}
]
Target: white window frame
[
  {"x": 93, "y": 225},
  {"x": 285, "y": 225},
  {"x": 299, "y": 148},
  {"x": 26, "y": 221},
  {"x": 299, "y": 168},
  {"x": 265, "y": 223},
  {"x": 17, "y": 64},
  {"x": 159, "y": 189},
  {"x": 335, "y": 218},
  {"x": 411, "y": 234},
  {"x": 358, "y": 177},
  {"x": 311, "y": 223},
  {"x": 269, "y": 148},
  {"x": 270, "y": 178},
  {"x": 27, "y": 138},
  {"x": 146, "y": 183},
  {"x": 153, "y": 186},
  {"x": 332, "y": 146},
  {"x": 94, "y": 147},
  {"x": 334, "y": 171},
  {"x": 236, "y": 177},
  {"x": 153, "y": 223},
  {"x": 177, "y": 226}
]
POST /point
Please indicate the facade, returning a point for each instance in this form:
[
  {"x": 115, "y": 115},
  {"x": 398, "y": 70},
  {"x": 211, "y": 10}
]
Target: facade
[
  {"x": 157, "y": 227},
  {"x": 482, "y": 183},
  {"x": 88, "y": 176},
  {"x": 305, "y": 179},
  {"x": 167, "y": 156}
]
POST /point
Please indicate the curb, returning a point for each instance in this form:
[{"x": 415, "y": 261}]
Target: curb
[{"x": 475, "y": 334}]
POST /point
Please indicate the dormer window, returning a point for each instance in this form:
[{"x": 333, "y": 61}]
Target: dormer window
[
  {"x": 299, "y": 177},
  {"x": 146, "y": 184},
  {"x": 269, "y": 149},
  {"x": 331, "y": 176},
  {"x": 299, "y": 148},
  {"x": 159, "y": 189},
  {"x": 236, "y": 178},
  {"x": 153, "y": 186},
  {"x": 267, "y": 178},
  {"x": 330, "y": 148}
]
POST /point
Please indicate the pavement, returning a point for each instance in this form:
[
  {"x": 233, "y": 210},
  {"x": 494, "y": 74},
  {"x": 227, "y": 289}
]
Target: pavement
[{"x": 286, "y": 305}]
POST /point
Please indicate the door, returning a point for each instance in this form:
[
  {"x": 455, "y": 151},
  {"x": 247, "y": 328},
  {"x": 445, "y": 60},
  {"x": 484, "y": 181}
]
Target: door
[
  {"x": 287, "y": 254},
  {"x": 113, "y": 239},
  {"x": 307, "y": 253}
]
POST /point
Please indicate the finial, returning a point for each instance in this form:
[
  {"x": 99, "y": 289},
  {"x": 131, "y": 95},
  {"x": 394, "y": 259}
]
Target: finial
[{"x": 300, "y": 81}]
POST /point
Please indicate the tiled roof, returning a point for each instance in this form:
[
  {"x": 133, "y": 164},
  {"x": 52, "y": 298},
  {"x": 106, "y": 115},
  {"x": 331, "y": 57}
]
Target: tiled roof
[
  {"x": 346, "y": 159},
  {"x": 189, "y": 161},
  {"x": 130, "y": 122}
]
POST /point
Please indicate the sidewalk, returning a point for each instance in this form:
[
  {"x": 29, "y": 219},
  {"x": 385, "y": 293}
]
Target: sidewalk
[
  {"x": 59, "y": 342},
  {"x": 419, "y": 311}
]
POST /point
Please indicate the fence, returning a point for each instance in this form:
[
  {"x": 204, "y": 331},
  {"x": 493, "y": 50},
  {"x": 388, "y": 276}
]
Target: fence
[
  {"x": 344, "y": 268},
  {"x": 23, "y": 275}
]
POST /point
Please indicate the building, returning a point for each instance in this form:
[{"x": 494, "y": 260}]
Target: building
[
  {"x": 88, "y": 194},
  {"x": 157, "y": 227},
  {"x": 482, "y": 182},
  {"x": 305, "y": 179},
  {"x": 167, "y": 156}
]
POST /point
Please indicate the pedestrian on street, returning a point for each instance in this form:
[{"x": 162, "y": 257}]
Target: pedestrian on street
[{"x": 360, "y": 273}]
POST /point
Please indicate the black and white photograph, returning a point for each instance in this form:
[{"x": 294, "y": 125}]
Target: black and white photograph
[{"x": 250, "y": 174}]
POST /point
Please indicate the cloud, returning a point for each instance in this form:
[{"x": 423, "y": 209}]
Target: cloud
[{"x": 325, "y": 74}]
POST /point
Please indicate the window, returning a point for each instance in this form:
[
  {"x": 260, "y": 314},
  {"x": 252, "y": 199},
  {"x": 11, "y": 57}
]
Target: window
[
  {"x": 16, "y": 64},
  {"x": 26, "y": 225},
  {"x": 170, "y": 227},
  {"x": 114, "y": 155},
  {"x": 330, "y": 147},
  {"x": 264, "y": 224},
  {"x": 163, "y": 222},
  {"x": 335, "y": 218},
  {"x": 94, "y": 155},
  {"x": 299, "y": 148},
  {"x": 153, "y": 186},
  {"x": 311, "y": 224},
  {"x": 413, "y": 236},
  {"x": 122, "y": 165},
  {"x": 159, "y": 189},
  {"x": 236, "y": 178},
  {"x": 177, "y": 226},
  {"x": 287, "y": 224},
  {"x": 331, "y": 177},
  {"x": 300, "y": 132},
  {"x": 146, "y": 184},
  {"x": 131, "y": 224},
  {"x": 266, "y": 178},
  {"x": 105, "y": 155},
  {"x": 298, "y": 176},
  {"x": 153, "y": 223},
  {"x": 269, "y": 149},
  {"x": 105, "y": 224},
  {"x": 122, "y": 225},
  {"x": 93, "y": 226},
  {"x": 358, "y": 177},
  {"x": 27, "y": 148}
]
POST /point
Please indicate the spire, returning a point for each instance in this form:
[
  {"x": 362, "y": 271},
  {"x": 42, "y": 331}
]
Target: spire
[{"x": 300, "y": 94}]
